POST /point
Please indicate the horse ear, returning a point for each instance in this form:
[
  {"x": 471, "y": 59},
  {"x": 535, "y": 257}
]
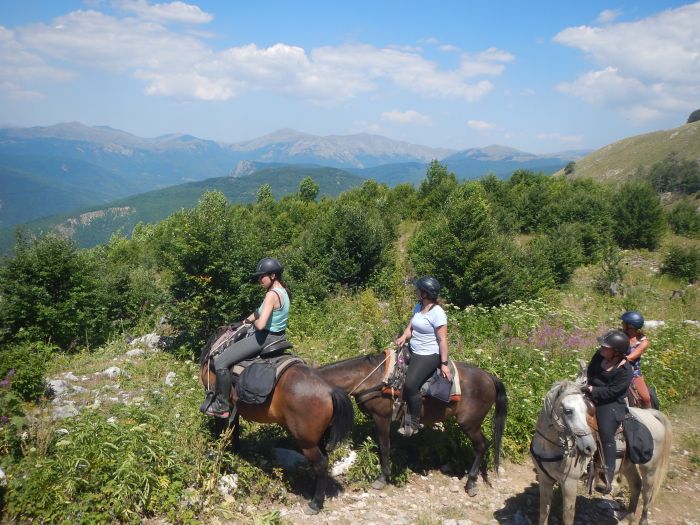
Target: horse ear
[{"x": 582, "y": 378}]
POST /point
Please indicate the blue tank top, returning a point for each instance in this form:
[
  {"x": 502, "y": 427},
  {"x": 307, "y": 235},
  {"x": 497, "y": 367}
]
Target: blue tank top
[{"x": 278, "y": 319}]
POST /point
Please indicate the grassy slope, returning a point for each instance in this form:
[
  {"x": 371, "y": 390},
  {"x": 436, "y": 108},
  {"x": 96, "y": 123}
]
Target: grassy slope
[{"x": 620, "y": 160}]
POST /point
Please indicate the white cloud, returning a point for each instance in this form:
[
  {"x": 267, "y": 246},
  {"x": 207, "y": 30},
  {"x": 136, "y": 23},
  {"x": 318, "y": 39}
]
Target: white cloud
[
  {"x": 644, "y": 68},
  {"x": 12, "y": 91},
  {"x": 410, "y": 116},
  {"x": 480, "y": 125},
  {"x": 173, "y": 63},
  {"x": 608, "y": 15},
  {"x": 490, "y": 62},
  {"x": 171, "y": 12},
  {"x": 448, "y": 48},
  {"x": 570, "y": 140}
]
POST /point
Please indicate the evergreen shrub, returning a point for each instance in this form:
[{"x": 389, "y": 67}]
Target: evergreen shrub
[{"x": 682, "y": 262}]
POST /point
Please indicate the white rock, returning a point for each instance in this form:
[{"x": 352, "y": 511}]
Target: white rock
[
  {"x": 3, "y": 478},
  {"x": 342, "y": 466},
  {"x": 64, "y": 411},
  {"x": 136, "y": 352},
  {"x": 227, "y": 484},
  {"x": 69, "y": 376},
  {"x": 170, "y": 379},
  {"x": 112, "y": 420},
  {"x": 692, "y": 322},
  {"x": 113, "y": 372},
  {"x": 149, "y": 342},
  {"x": 59, "y": 387},
  {"x": 652, "y": 324}
]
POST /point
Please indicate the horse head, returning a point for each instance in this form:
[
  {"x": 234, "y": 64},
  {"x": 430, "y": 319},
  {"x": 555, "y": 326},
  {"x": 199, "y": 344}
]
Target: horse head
[{"x": 566, "y": 407}]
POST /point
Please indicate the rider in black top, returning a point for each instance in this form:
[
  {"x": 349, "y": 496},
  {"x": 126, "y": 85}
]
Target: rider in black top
[{"x": 609, "y": 377}]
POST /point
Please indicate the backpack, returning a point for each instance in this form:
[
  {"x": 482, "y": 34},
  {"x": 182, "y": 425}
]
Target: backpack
[{"x": 640, "y": 443}]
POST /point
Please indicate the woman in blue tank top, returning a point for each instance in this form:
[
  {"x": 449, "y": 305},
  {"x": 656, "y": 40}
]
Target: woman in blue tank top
[{"x": 270, "y": 324}]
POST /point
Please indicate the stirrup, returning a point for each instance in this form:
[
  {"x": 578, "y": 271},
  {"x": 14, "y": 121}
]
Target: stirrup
[
  {"x": 208, "y": 400},
  {"x": 218, "y": 409}
]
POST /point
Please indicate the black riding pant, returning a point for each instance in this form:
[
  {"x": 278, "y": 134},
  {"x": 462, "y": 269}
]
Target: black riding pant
[
  {"x": 420, "y": 368},
  {"x": 245, "y": 349},
  {"x": 610, "y": 417}
]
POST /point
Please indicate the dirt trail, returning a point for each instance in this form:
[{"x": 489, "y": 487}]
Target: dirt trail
[{"x": 513, "y": 497}]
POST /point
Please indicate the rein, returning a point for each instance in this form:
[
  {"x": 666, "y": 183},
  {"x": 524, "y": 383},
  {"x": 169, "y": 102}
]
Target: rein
[{"x": 368, "y": 375}]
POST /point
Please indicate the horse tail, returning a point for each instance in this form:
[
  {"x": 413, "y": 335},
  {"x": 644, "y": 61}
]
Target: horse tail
[
  {"x": 343, "y": 418},
  {"x": 665, "y": 455},
  {"x": 499, "y": 420}
]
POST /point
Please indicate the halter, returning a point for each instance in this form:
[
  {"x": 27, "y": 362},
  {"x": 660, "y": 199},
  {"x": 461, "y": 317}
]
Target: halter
[{"x": 567, "y": 436}]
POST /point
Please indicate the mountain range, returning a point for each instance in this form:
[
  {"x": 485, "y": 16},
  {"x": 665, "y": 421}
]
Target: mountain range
[{"x": 64, "y": 167}]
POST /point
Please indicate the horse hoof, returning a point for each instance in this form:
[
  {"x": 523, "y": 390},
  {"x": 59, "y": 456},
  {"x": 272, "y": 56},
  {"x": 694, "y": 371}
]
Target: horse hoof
[
  {"x": 472, "y": 490},
  {"x": 311, "y": 509},
  {"x": 378, "y": 484}
]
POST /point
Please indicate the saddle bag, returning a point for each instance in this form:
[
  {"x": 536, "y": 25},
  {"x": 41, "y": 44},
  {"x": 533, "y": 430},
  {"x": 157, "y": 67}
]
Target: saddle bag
[
  {"x": 640, "y": 443},
  {"x": 256, "y": 382},
  {"x": 440, "y": 387}
]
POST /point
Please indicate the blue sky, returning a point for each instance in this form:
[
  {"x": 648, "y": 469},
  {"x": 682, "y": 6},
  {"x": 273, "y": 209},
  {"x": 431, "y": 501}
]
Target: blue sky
[{"x": 537, "y": 76}]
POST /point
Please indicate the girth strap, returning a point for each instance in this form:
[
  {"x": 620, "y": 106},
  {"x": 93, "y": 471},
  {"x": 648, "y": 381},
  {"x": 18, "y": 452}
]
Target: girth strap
[{"x": 540, "y": 460}]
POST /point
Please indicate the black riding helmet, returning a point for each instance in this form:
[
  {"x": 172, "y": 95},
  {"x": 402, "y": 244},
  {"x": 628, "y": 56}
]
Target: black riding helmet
[
  {"x": 268, "y": 265},
  {"x": 617, "y": 340},
  {"x": 633, "y": 318},
  {"x": 429, "y": 285}
]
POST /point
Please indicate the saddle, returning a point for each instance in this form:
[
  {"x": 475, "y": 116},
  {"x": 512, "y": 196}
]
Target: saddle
[
  {"x": 255, "y": 378},
  {"x": 395, "y": 375},
  {"x": 633, "y": 441}
]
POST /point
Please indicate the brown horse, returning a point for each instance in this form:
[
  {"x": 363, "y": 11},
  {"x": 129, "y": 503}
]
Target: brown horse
[
  {"x": 362, "y": 378},
  {"x": 317, "y": 415}
]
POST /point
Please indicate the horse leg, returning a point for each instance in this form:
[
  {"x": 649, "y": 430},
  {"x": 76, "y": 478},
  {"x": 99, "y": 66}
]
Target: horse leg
[
  {"x": 383, "y": 428},
  {"x": 481, "y": 445},
  {"x": 546, "y": 487},
  {"x": 319, "y": 463},
  {"x": 568, "y": 496},
  {"x": 648, "y": 477},
  {"x": 635, "y": 483}
]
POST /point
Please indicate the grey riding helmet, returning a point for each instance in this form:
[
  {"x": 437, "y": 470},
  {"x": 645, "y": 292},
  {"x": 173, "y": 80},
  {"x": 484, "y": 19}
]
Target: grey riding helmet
[
  {"x": 617, "y": 340},
  {"x": 429, "y": 285},
  {"x": 268, "y": 265},
  {"x": 633, "y": 318}
]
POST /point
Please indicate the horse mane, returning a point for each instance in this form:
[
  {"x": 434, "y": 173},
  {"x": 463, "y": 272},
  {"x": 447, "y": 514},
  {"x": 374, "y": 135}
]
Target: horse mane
[{"x": 372, "y": 360}]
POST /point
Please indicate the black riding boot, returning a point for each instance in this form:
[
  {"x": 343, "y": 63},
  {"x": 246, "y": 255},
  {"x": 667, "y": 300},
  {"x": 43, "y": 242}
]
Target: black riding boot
[
  {"x": 606, "y": 486},
  {"x": 220, "y": 407}
]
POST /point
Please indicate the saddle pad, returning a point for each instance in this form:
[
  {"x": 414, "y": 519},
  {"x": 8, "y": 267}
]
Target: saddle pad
[{"x": 455, "y": 390}]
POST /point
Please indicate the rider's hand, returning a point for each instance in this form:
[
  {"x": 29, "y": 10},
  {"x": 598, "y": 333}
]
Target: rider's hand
[
  {"x": 400, "y": 341},
  {"x": 446, "y": 372}
]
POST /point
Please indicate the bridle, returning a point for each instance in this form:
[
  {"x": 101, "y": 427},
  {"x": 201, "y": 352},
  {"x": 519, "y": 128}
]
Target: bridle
[{"x": 566, "y": 436}]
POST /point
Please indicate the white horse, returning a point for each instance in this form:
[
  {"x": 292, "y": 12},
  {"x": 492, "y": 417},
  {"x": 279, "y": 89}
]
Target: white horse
[{"x": 563, "y": 445}]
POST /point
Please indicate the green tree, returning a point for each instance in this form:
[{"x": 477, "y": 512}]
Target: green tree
[
  {"x": 308, "y": 189},
  {"x": 675, "y": 174},
  {"x": 264, "y": 194},
  {"x": 684, "y": 219},
  {"x": 570, "y": 168},
  {"x": 209, "y": 252},
  {"x": 463, "y": 249},
  {"x": 682, "y": 262},
  {"x": 638, "y": 216},
  {"x": 50, "y": 292},
  {"x": 436, "y": 188}
]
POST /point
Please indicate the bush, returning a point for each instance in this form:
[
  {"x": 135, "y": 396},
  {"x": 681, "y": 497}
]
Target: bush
[
  {"x": 638, "y": 216},
  {"x": 675, "y": 174},
  {"x": 12, "y": 418},
  {"x": 50, "y": 291},
  {"x": 28, "y": 360},
  {"x": 682, "y": 262},
  {"x": 684, "y": 219}
]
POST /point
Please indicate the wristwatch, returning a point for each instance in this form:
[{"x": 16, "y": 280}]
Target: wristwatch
[{"x": 444, "y": 363}]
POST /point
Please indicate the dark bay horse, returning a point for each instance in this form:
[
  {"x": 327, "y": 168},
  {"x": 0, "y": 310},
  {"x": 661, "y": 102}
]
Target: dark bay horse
[
  {"x": 317, "y": 415},
  {"x": 362, "y": 377}
]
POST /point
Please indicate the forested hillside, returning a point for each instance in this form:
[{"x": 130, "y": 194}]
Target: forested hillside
[{"x": 533, "y": 268}]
